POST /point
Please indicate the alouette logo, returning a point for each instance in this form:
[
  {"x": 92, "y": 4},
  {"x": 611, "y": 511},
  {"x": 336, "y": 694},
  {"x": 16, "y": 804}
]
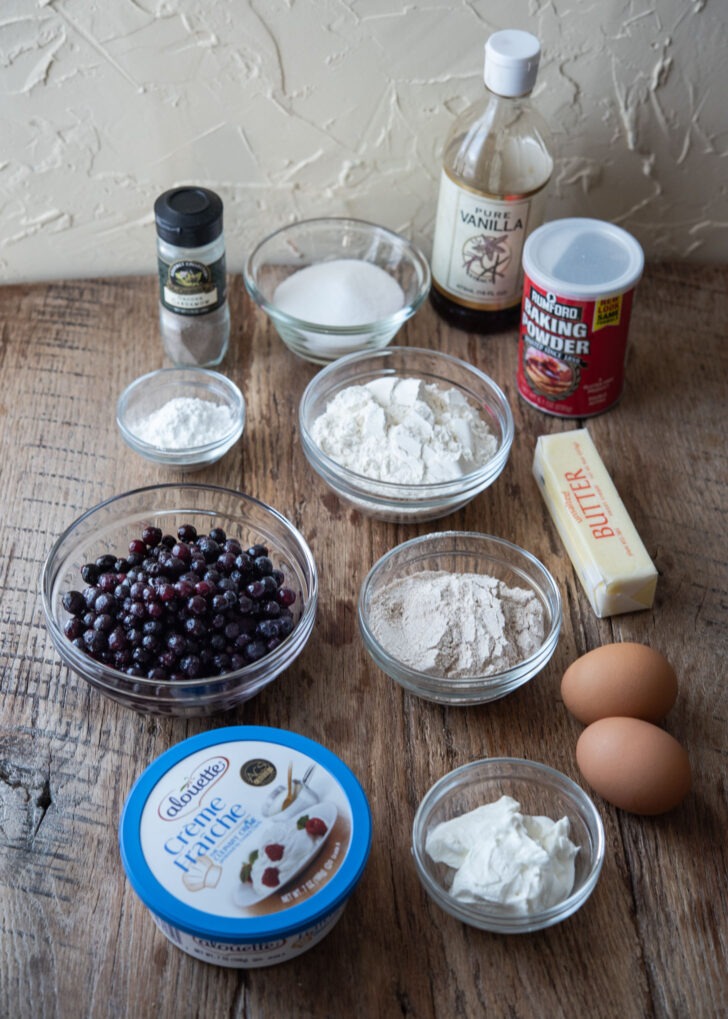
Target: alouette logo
[{"x": 184, "y": 800}]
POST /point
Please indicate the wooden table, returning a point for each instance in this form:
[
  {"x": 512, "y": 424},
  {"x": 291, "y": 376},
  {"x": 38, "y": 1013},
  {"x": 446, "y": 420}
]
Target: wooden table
[{"x": 75, "y": 941}]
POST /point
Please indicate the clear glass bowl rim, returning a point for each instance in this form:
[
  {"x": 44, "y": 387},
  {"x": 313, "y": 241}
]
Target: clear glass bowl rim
[
  {"x": 392, "y": 490},
  {"x": 100, "y": 674},
  {"x": 383, "y": 325},
  {"x": 478, "y": 915}
]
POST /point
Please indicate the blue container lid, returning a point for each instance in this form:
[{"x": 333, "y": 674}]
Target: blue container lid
[{"x": 245, "y": 834}]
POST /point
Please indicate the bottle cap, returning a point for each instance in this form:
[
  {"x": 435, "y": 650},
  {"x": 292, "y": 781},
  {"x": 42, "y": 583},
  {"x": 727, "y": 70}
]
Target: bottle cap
[
  {"x": 188, "y": 217},
  {"x": 511, "y": 62}
]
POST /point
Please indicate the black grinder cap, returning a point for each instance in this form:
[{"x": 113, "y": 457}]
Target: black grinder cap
[{"x": 188, "y": 217}]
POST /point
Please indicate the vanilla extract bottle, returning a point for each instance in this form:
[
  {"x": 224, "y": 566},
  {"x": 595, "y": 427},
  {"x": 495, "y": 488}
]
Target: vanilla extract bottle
[{"x": 496, "y": 167}]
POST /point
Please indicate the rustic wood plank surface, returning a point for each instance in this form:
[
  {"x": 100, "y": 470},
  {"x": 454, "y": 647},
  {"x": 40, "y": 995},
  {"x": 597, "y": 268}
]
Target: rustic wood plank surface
[{"x": 75, "y": 940}]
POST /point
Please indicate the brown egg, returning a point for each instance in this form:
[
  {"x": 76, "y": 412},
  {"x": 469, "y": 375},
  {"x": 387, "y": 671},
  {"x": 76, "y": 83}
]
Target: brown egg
[
  {"x": 633, "y": 764},
  {"x": 619, "y": 679}
]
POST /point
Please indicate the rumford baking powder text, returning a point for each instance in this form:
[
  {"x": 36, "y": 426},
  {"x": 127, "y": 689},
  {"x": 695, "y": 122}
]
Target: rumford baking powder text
[
  {"x": 555, "y": 326},
  {"x": 588, "y": 504}
]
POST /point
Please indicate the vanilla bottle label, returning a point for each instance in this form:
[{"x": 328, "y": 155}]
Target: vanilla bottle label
[{"x": 476, "y": 254}]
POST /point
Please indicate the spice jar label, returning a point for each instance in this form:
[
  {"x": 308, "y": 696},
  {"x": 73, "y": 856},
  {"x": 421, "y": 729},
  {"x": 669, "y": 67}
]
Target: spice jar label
[{"x": 189, "y": 287}]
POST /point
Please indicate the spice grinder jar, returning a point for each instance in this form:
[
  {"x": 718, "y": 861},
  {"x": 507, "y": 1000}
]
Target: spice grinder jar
[{"x": 194, "y": 317}]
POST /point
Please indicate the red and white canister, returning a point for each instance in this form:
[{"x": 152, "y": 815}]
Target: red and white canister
[{"x": 579, "y": 281}]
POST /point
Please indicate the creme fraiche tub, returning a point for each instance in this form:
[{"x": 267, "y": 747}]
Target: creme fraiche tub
[{"x": 245, "y": 844}]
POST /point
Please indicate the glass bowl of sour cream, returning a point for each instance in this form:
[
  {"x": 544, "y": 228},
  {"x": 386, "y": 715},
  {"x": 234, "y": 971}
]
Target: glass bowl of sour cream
[
  {"x": 508, "y": 845},
  {"x": 335, "y": 285},
  {"x": 405, "y": 434},
  {"x": 181, "y": 417}
]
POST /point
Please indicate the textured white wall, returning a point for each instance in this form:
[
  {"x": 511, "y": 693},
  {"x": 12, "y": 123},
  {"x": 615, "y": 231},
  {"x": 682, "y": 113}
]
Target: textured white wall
[{"x": 297, "y": 108}]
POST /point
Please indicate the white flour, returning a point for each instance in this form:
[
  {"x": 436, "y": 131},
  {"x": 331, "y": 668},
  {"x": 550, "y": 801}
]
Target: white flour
[
  {"x": 404, "y": 430},
  {"x": 457, "y": 624},
  {"x": 183, "y": 422}
]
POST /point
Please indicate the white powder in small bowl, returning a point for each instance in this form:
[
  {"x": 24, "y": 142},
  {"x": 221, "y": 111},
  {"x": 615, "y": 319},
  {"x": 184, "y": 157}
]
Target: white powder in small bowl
[{"x": 184, "y": 422}]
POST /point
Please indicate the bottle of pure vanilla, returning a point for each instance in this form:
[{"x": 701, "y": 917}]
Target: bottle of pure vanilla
[{"x": 496, "y": 166}]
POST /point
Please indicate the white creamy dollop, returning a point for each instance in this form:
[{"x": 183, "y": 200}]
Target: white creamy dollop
[{"x": 524, "y": 863}]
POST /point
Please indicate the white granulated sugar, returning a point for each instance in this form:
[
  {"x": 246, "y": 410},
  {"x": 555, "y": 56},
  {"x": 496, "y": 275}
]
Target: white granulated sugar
[
  {"x": 457, "y": 624},
  {"x": 404, "y": 430},
  {"x": 184, "y": 421},
  {"x": 342, "y": 292}
]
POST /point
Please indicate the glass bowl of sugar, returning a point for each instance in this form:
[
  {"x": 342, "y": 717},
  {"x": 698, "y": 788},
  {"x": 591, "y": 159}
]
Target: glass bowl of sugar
[
  {"x": 181, "y": 417},
  {"x": 460, "y": 617},
  {"x": 334, "y": 286}
]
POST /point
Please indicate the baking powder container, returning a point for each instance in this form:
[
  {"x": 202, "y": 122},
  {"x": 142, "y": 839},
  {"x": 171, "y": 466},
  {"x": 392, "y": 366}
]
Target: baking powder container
[
  {"x": 245, "y": 843},
  {"x": 579, "y": 281}
]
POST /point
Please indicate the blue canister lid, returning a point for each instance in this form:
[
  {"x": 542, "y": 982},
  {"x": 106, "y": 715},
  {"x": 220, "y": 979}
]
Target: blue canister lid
[{"x": 245, "y": 834}]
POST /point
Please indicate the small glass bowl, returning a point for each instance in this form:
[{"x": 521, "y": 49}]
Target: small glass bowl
[
  {"x": 312, "y": 241},
  {"x": 462, "y": 552},
  {"x": 541, "y": 791},
  {"x": 149, "y": 393},
  {"x": 388, "y": 500},
  {"x": 110, "y": 526}
]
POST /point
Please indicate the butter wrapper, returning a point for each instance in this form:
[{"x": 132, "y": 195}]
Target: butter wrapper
[{"x": 611, "y": 561}]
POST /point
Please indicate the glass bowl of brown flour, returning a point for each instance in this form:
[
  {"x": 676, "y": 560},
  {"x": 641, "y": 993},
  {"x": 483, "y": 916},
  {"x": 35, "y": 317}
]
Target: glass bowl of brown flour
[{"x": 460, "y": 617}]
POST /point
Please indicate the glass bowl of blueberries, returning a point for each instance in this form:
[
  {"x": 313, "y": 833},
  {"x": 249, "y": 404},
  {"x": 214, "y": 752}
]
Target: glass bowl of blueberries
[{"x": 180, "y": 599}]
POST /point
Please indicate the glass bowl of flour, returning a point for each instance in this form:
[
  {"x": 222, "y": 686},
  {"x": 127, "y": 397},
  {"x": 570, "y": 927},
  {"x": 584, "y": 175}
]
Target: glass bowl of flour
[
  {"x": 181, "y": 417},
  {"x": 332, "y": 286},
  {"x": 405, "y": 434},
  {"x": 460, "y": 617}
]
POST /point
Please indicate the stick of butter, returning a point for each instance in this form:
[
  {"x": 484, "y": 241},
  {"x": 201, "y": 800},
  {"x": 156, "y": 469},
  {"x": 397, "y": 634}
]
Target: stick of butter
[{"x": 610, "y": 560}]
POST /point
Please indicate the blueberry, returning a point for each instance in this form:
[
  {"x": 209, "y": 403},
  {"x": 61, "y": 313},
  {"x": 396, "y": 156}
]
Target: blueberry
[
  {"x": 178, "y": 608},
  {"x": 74, "y": 602}
]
